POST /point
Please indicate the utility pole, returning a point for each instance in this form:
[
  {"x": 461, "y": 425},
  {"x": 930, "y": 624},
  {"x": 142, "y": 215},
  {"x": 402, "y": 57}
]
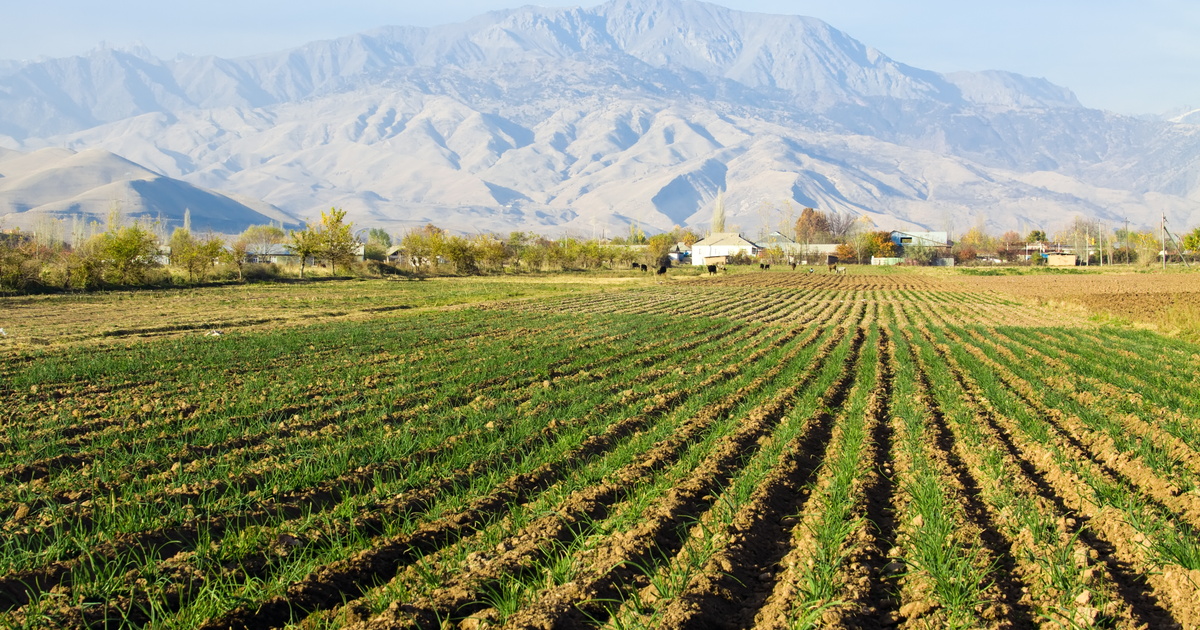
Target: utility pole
[{"x": 1162, "y": 234}]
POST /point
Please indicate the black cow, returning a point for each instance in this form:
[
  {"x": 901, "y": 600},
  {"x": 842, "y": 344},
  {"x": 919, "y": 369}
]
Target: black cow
[
  {"x": 761, "y": 266},
  {"x": 712, "y": 270},
  {"x": 643, "y": 268},
  {"x": 662, "y": 271},
  {"x": 767, "y": 267},
  {"x": 635, "y": 266}
]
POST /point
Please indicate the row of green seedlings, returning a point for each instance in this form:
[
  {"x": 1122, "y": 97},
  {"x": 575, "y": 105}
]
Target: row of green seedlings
[
  {"x": 109, "y": 364},
  {"x": 1176, "y": 354},
  {"x": 702, "y": 390},
  {"x": 1168, "y": 429},
  {"x": 184, "y": 420},
  {"x": 1065, "y": 585},
  {"x": 1142, "y": 532},
  {"x": 484, "y": 481},
  {"x": 647, "y": 302},
  {"x": 243, "y": 353},
  {"x": 1151, "y": 387},
  {"x": 734, "y": 548},
  {"x": 670, "y": 301},
  {"x": 825, "y": 579},
  {"x": 417, "y": 370},
  {"x": 318, "y": 439},
  {"x": 524, "y": 589},
  {"x": 235, "y": 431},
  {"x": 148, "y": 361},
  {"x": 366, "y": 477},
  {"x": 1152, "y": 467},
  {"x": 943, "y": 572}
]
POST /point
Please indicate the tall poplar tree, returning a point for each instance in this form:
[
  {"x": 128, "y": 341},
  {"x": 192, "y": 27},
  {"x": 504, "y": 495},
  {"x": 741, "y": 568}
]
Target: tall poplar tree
[{"x": 718, "y": 220}]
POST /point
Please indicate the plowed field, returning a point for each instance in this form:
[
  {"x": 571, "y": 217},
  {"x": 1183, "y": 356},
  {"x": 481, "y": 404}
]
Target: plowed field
[{"x": 763, "y": 450}]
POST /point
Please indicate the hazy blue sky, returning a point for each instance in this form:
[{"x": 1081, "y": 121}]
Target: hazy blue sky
[{"x": 1121, "y": 55}]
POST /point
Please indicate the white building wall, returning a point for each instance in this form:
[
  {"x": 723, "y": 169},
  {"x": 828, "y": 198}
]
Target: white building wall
[{"x": 700, "y": 252}]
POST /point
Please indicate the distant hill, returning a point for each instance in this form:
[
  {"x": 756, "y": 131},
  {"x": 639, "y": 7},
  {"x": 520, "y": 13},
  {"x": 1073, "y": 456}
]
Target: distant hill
[
  {"x": 633, "y": 111},
  {"x": 62, "y": 184}
]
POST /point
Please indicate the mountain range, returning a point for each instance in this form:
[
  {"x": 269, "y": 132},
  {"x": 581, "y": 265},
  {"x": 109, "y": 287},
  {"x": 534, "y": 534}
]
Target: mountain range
[
  {"x": 589, "y": 120},
  {"x": 88, "y": 185}
]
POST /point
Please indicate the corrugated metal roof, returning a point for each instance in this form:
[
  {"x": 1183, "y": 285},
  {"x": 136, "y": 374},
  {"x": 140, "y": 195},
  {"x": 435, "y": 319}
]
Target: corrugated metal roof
[{"x": 723, "y": 238}]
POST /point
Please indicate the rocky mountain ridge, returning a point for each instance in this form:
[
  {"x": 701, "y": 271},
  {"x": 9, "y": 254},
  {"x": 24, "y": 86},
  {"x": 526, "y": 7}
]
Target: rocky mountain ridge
[{"x": 590, "y": 119}]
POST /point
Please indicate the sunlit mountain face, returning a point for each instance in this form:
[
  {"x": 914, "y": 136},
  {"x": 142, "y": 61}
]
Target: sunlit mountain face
[{"x": 634, "y": 111}]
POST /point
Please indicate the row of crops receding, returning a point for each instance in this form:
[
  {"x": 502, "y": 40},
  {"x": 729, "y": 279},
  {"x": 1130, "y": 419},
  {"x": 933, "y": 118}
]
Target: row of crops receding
[{"x": 782, "y": 452}]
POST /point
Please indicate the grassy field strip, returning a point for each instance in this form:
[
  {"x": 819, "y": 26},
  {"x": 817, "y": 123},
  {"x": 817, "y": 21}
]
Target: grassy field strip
[
  {"x": 1166, "y": 453},
  {"x": 188, "y": 441},
  {"x": 667, "y": 300},
  {"x": 68, "y": 368},
  {"x": 1178, "y": 354},
  {"x": 327, "y": 495},
  {"x": 738, "y": 545},
  {"x": 372, "y": 523},
  {"x": 177, "y": 477},
  {"x": 1151, "y": 379},
  {"x": 574, "y": 520},
  {"x": 990, "y": 314},
  {"x": 140, "y": 409},
  {"x": 1107, "y": 363},
  {"x": 792, "y": 306},
  {"x": 1141, "y": 462},
  {"x": 1027, "y": 316},
  {"x": 656, "y": 531},
  {"x": 824, "y": 580},
  {"x": 1092, "y": 393},
  {"x": 945, "y": 571},
  {"x": 1064, "y": 586},
  {"x": 309, "y": 357},
  {"x": 1139, "y": 532},
  {"x": 631, "y": 302},
  {"x": 191, "y": 413},
  {"x": 379, "y": 561}
]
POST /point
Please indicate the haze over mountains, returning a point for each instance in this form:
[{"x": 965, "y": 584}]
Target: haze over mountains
[{"x": 590, "y": 119}]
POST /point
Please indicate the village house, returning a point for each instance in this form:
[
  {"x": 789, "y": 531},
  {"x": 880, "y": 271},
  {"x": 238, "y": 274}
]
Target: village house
[{"x": 719, "y": 246}]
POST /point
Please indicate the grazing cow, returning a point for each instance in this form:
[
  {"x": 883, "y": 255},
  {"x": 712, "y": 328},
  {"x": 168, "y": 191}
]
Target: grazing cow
[
  {"x": 661, "y": 272},
  {"x": 841, "y": 270},
  {"x": 635, "y": 266},
  {"x": 643, "y": 268},
  {"x": 761, "y": 266},
  {"x": 712, "y": 270},
  {"x": 793, "y": 266},
  {"x": 767, "y": 267},
  {"x": 832, "y": 267}
]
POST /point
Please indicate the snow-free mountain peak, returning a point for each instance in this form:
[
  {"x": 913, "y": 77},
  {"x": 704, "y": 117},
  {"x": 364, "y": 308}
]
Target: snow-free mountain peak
[{"x": 633, "y": 111}]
